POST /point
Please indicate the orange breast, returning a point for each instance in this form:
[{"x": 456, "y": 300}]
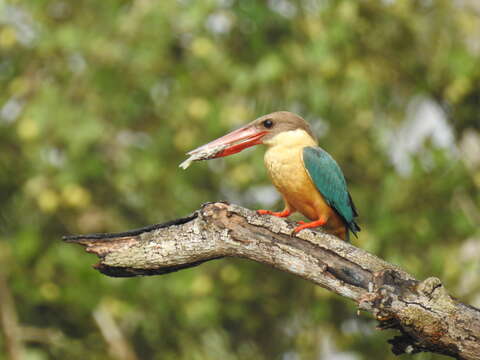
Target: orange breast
[{"x": 289, "y": 176}]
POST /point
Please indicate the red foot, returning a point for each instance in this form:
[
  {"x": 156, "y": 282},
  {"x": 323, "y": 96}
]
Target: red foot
[
  {"x": 308, "y": 225},
  {"x": 281, "y": 214}
]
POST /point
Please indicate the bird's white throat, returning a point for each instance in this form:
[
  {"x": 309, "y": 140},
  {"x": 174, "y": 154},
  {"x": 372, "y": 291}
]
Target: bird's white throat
[{"x": 292, "y": 138}]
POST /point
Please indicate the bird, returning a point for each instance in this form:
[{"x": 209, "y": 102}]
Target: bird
[{"x": 308, "y": 178}]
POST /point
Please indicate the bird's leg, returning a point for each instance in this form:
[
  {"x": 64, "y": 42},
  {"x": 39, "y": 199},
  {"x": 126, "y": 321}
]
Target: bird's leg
[
  {"x": 313, "y": 224},
  {"x": 286, "y": 212}
]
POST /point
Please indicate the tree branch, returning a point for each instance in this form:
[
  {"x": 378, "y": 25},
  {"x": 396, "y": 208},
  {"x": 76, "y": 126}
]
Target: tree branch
[{"x": 428, "y": 318}]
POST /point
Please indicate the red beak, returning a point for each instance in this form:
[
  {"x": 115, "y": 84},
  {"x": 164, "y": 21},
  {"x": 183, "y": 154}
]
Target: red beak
[{"x": 234, "y": 142}]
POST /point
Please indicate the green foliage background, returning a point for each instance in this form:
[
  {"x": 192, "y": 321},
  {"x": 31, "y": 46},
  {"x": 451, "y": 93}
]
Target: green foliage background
[{"x": 100, "y": 100}]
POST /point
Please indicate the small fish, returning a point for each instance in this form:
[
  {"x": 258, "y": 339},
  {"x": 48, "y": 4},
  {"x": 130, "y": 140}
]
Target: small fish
[{"x": 202, "y": 153}]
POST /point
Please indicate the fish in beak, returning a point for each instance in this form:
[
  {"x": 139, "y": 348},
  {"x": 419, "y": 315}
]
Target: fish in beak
[{"x": 226, "y": 145}]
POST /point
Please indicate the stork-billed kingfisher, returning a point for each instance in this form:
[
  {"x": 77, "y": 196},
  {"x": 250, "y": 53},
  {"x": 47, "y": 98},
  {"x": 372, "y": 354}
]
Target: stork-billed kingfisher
[{"x": 309, "y": 179}]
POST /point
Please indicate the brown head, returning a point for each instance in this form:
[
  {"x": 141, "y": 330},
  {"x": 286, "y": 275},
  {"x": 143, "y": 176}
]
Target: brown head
[
  {"x": 280, "y": 121},
  {"x": 259, "y": 131}
]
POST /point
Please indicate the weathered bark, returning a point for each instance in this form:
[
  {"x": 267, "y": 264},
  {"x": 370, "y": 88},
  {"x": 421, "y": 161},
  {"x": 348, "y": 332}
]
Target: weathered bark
[{"x": 428, "y": 318}]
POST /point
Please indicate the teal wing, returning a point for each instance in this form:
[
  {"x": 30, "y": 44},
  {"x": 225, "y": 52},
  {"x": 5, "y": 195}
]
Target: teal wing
[{"x": 330, "y": 182}]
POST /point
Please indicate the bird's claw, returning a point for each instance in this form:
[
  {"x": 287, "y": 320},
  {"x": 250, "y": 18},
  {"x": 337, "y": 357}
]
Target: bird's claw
[
  {"x": 281, "y": 214},
  {"x": 309, "y": 225},
  {"x": 296, "y": 230}
]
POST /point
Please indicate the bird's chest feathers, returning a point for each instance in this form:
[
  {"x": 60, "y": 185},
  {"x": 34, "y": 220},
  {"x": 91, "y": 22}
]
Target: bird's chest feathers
[
  {"x": 284, "y": 162},
  {"x": 285, "y": 168}
]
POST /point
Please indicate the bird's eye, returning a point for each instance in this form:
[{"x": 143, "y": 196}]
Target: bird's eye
[{"x": 268, "y": 123}]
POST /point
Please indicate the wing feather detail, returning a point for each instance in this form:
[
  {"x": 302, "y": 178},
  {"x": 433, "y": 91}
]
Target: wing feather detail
[{"x": 328, "y": 178}]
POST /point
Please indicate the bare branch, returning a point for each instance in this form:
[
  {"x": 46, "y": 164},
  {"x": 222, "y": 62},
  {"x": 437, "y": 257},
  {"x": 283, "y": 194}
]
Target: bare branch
[
  {"x": 14, "y": 349},
  {"x": 428, "y": 318},
  {"x": 120, "y": 349}
]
